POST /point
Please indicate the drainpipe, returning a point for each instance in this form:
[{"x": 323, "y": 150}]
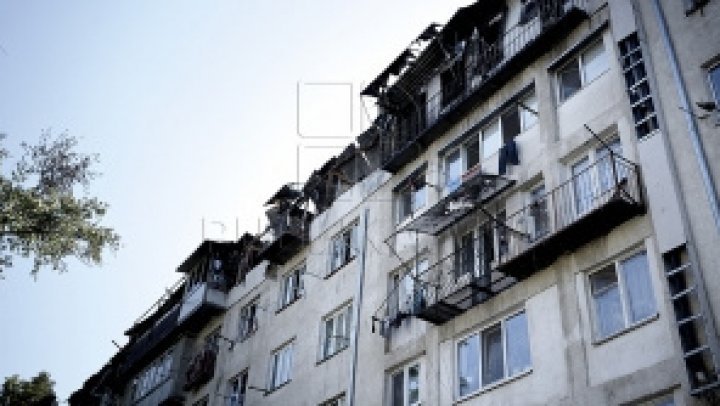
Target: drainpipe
[
  {"x": 362, "y": 239},
  {"x": 700, "y": 157}
]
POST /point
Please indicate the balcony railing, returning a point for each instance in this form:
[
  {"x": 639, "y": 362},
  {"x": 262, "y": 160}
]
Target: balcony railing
[
  {"x": 489, "y": 66},
  {"x": 587, "y": 206}
]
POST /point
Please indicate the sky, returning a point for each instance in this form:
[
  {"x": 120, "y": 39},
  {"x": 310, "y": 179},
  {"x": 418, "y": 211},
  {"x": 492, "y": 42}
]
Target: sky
[{"x": 199, "y": 111}]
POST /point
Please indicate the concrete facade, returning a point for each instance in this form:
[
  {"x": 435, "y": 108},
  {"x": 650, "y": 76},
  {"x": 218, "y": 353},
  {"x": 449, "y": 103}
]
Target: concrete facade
[{"x": 567, "y": 357}]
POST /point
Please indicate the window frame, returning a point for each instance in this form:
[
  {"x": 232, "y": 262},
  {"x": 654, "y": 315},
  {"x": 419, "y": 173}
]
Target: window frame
[
  {"x": 329, "y": 349},
  {"x": 237, "y": 386},
  {"x": 349, "y": 236},
  {"x": 285, "y": 350},
  {"x": 579, "y": 61},
  {"x": 405, "y": 371},
  {"x": 594, "y": 174},
  {"x": 245, "y": 329},
  {"x": 480, "y": 333},
  {"x": 715, "y": 92},
  {"x": 408, "y": 190},
  {"x": 625, "y": 299},
  {"x": 293, "y": 280}
]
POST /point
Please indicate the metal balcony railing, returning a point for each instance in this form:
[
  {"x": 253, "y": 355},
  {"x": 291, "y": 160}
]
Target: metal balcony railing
[
  {"x": 471, "y": 71},
  {"x": 594, "y": 200}
]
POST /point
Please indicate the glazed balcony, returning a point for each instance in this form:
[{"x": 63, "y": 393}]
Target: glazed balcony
[
  {"x": 589, "y": 205},
  {"x": 494, "y": 63},
  {"x": 203, "y": 299}
]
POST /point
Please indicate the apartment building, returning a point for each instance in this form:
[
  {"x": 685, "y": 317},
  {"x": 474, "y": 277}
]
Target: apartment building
[{"x": 530, "y": 219}]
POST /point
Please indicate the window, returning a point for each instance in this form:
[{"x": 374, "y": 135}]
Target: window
[
  {"x": 402, "y": 296},
  {"x": 336, "y": 401},
  {"x": 497, "y": 352},
  {"x": 291, "y": 286},
  {"x": 410, "y": 195},
  {"x": 528, "y": 111},
  {"x": 281, "y": 365},
  {"x": 248, "y": 320},
  {"x": 638, "y": 86},
  {"x": 539, "y": 220},
  {"x": 152, "y": 376},
  {"x": 582, "y": 70},
  {"x": 491, "y": 139},
  {"x": 453, "y": 171},
  {"x": 237, "y": 388},
  {"x": 405, "y": 386},
  {"x": 621, "y": 295},
  {"x": 593, "y": 182},
  {"x": 714, "y": 78},
  {"x": 344, "y": 247},
  {"x": 336, "y": 331},
  {"x": 465, "y": 254}
]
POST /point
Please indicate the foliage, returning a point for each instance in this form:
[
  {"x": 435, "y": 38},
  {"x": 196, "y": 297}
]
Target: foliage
[
  {"x": 44, "y": 213},
  {"x": 36, "y": 391}
]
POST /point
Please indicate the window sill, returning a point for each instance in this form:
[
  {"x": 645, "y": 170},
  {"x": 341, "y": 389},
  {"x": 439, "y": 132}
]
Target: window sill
[
  {"x": 632, "y": 327},
  {"x": 333, "y": 272},
  {"x": 272, "y": 390},
  {"x": 493, "y": 386},
  {"x": 321, "y": 361},
  {"x": 286, "y": 305}
]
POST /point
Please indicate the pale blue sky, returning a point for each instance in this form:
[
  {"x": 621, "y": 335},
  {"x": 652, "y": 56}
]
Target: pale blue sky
[{"x": 192, "y": 108}]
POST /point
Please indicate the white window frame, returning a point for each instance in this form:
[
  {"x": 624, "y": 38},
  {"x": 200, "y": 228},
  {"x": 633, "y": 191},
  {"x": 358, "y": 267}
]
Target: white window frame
[
  {"x": 291, "y": 286},
  {"x": 480, "y": 333},
  {"x": 402, "y": 287},
  {"x": 624, "y": 294},
  {"x": 593, "y": 174},
  {"x": 248, "y": 319},
  {"x": 715, "y": 93},
  {"x": 343, "y": 247},
  {"x": 579, "y": 61},
  {"x": 418, "y": 197},
  {"x": 281, "y": 363},
  {"x": 405, "y": 371},
  {"x": 341, "y": 322},
  {"x": 237, "y": 389},
  {"x": 152, "y": 376}
]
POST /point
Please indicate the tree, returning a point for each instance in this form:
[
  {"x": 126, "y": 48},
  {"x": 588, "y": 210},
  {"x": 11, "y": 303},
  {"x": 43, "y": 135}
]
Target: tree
[
  {"x": 45, "y": 212},
  {"x": 37, "y": 391}
]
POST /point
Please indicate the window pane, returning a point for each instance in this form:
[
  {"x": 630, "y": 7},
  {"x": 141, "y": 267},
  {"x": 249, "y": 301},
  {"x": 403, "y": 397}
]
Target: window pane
[
  {"x": 493, "y": 368},
  {"x": 492, "y": 140},
  {"x": 529, "y": 118},
  {"x": 468, "y": 365},
  {"x": 569, "y": 80},
  {"x": 606, "y": 296},
  {"x": 582, "y": 183},
  {"x": 714, "y": 77},
  {"x": 594, "y": 62},
  {"x": 418, "y": 199},
  {"x": 639, "y": 288},
  {"x": 472, "y": 153},
  {"x": 517, "y": 343},
  {"x": 404, "y": 204},
  {"x": 397, "y": 389},
  {"x": 414, "y": 384},
  {"x": 604, "y": 165},
  {"x": 453, "y": 171}
]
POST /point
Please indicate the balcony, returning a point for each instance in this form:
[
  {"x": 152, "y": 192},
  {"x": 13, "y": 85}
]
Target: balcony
[
  {"x": 474, "y": 79},
  {"x": 200, "y": 370},
  {"x": 201, "y": 301},
  {"x": 587, "y": 206},
  {"x": 476, "y": 188},
  {"x": 285, "y": 238}
]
